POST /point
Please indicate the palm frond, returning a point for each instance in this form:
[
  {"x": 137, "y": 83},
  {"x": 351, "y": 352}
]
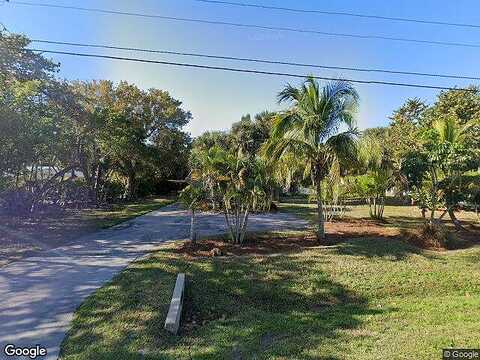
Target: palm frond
[{"x": 289, "y": 94}]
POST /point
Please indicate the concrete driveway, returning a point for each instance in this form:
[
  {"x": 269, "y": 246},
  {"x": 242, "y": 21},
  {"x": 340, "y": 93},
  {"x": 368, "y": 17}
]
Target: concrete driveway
[{"x": 38, "y": 295}]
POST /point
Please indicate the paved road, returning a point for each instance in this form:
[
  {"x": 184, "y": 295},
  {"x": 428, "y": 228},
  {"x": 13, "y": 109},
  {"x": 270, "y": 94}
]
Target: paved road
[{"x": 38, "y": 295}]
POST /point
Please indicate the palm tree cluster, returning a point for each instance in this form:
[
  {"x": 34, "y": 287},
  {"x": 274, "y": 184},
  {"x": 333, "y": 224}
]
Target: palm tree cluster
[
  {"x": 425, "y": 153},
  {"x": 229, "y": 182}
]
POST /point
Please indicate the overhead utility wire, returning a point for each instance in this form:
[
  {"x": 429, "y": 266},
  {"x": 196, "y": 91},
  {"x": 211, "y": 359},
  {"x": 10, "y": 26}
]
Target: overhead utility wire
[
  {"x": 252, "y": 26},
  {"x": 249, "y": 71},
  {"x": 341, "y": 13},
  {"x": 255, "y": 60}
]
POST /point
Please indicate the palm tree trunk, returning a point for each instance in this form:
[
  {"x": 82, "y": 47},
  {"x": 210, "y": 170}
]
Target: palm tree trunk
[
  {"x": 229, "y": 223},
  {"x": 193, "y": 235},
  {"x": 321, "y": 226},
  {"x": 243, "y": 230}
]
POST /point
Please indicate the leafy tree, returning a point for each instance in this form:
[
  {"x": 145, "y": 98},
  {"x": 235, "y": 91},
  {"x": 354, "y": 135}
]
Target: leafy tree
[
  {"x": 461, "y": 105},
  {"x": 51, "y": 130},
  {"x": 193, "y": 196},
  {"x": 134, "y": 133},
  {"x": 318, "y": 128},
  {"x": 402, "y": 135},
  {"x": 37, "y": 114},
  {"x": 249, "y": 135},
  {"x": 210, "y": 139},
  {"x": 436, "y": 170},
  {"x": 245, "y": 187}
]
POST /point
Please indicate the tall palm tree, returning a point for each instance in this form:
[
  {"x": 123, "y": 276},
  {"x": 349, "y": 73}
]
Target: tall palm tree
[{"x": 319, "y": 128}]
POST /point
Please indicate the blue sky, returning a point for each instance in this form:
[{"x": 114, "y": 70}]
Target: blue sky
[{"x": 216, "y": 99}]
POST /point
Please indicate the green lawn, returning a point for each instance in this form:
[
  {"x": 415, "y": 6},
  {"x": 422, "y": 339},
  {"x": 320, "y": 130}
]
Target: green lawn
[
  {"x": 361, "y": 299},
  {"x": 394, "y": 216},
  {"x": 122, "y": 212}
]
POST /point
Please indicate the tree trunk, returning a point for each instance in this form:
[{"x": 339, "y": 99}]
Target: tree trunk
[
  {"x": 243, "y": 230},
  {"x": 321, "y": 225},
  {"x": 130, "y": 191},
  {"x": 40, "y": 192},
  {"x": 229, "y": 223},
  {"x": 434, "y": 197},
  {"x": 381, "y": 207},
  {"x": 455, "y": 221},
  {"x": 193, "y": 234}
]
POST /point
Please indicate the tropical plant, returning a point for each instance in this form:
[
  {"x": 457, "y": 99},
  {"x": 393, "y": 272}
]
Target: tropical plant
[
  {"x": 437, "y": 170},
  {"x": 378, "y": 173},
  {"x": 246, "y": 188},
  {"x": 333, "y": 192},
  {"x": 234, "y": 184},
  {"x": 193, "y": 196},
  {"x": 318, "y": 128}
]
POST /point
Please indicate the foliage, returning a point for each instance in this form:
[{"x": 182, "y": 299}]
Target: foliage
[
  {"x": 402, "y": 136},
  {"x": 75, "y": 144},
  {"x": 317, "y": 128},
  {"x": 248, "y": 135},
  {"x": 193, "y": 196},
  {"x": 232, "y": 183},
  {"x": 210, "y": 139},
  {"x": 434, "y": 148},
  {"x": 377, "y": 174},
  {"x": 435, "y": 171},
  {"x": 333, "y": 192}
]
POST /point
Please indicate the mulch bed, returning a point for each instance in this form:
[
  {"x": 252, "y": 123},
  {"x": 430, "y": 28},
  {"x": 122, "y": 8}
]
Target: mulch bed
[
  {"x": 255, "y": 246},
  {"x": 265, "y": 244},
  {"x": 337, "y": 232}
]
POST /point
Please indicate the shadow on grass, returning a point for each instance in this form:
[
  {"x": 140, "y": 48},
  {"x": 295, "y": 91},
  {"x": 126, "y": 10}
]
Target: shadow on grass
[
  {"x": 385, "y": 247},
  {"x": 258, "y": 307}
]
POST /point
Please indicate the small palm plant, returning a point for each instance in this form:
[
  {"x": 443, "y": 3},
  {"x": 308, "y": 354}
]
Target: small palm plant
[
  {"x": 230, "y": 182},
  {"x": 378, "y": 177},
  {"x": 318, "y": 128},
  {"x": 193, "y": 196}
]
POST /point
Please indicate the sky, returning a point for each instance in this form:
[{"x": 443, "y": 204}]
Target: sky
[{"x": 216, "y": 99}]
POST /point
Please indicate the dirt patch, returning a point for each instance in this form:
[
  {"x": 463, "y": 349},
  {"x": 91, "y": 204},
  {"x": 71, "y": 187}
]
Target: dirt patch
[
  {"x": 265, "y": 244},
  {"x": 353, "y": 228},
  {"x": 256, "y": 245},
  {"x": 337, "y": 232},
  {"x": 440, "y": 238}
]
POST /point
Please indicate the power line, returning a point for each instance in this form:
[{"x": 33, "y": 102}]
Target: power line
[
  {"x": 256, "y": 60},
  {"x": 251, "y": 26},
  {"x": 249, "y": 71},
  {"x": 340, "y": 13}
]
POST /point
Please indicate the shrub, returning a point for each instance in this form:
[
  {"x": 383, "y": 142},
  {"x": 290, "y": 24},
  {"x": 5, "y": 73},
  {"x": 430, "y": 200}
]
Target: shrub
[{"x": 434, "y": 236}]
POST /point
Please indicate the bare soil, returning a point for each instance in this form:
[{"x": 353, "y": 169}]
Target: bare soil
[{"x": 337, "y": 232}]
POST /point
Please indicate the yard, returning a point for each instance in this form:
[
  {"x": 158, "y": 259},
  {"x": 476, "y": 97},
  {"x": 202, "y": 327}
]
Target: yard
[
  {"x": 368, "y": 296},
  {"x": 20, "y": 236}
]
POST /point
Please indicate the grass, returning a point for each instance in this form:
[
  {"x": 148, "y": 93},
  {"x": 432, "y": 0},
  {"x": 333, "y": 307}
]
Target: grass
[
  {"x": 20, "y": 236},
  {"x": 364, "y": 298},
  {"x": 394, "y": 216},
  {"x": 123, "y": 212}
]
